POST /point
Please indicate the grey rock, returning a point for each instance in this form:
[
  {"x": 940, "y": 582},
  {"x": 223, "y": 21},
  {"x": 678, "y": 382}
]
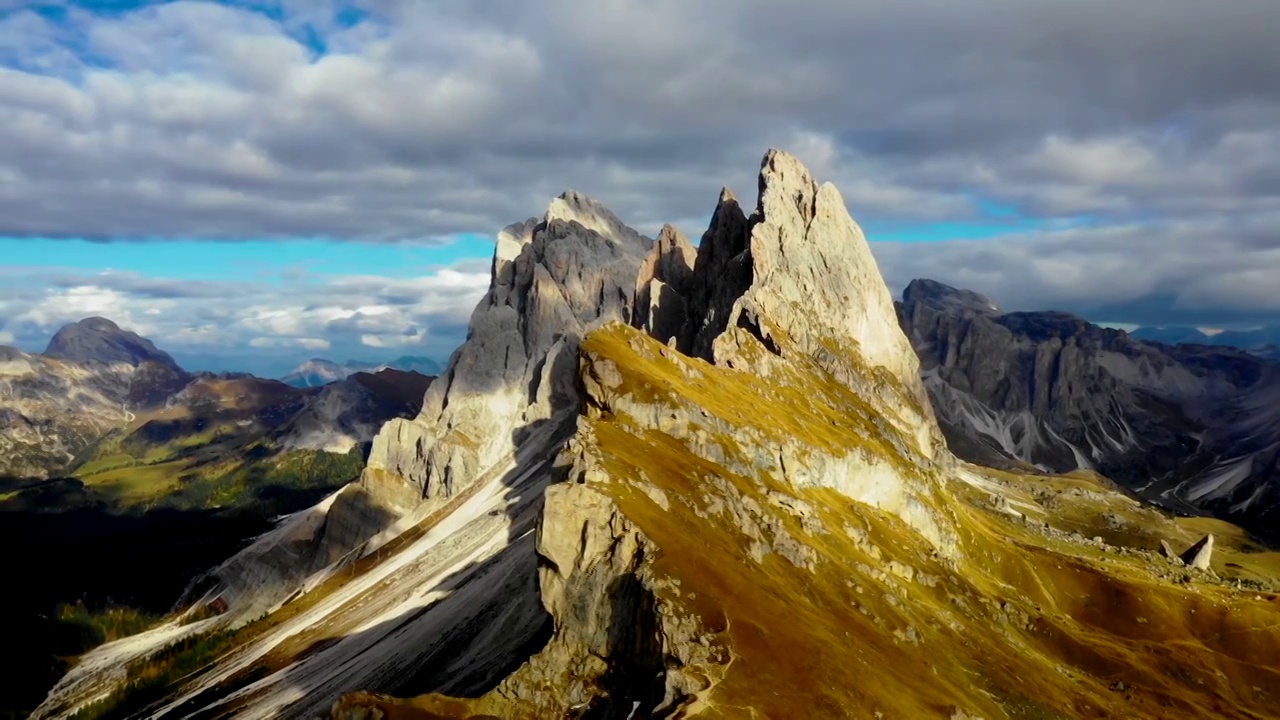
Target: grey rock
[
  {"x": 663, "y": 284},
  {"x": 1166, "y": 551},
  {"x": 799, "y": 233},
  {"x": 1055, "y": 392},
  {"x": 513, "y": 381},
  {"x": 1199, "y": 555},
  {"x": 722, "y": 273},
  {"x": 615, "y": 642}
]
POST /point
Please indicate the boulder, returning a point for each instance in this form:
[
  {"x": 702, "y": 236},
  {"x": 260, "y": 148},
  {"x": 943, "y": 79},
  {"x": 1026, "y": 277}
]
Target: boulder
[{"x": 1199, "y": 555}]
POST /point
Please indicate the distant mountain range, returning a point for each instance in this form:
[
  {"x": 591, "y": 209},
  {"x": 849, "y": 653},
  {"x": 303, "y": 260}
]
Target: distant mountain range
[
  {"x": 318, "y": 371},
  {"x": 130, "y": 475},
  {"x": 102, "y": 399},
  {"x": 1262, "y": 342},
  {"x": 1186, "y": 420}
]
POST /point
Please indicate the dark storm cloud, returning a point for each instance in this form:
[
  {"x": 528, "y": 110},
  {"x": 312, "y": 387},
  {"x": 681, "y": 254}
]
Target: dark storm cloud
[{"x": 1159, "y": 119}]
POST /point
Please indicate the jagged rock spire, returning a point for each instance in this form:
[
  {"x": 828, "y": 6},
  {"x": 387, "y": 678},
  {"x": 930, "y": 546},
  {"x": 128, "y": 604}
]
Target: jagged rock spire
[
  {"x": 814, "y": 271},
  {"x": 553, "y": 280},
  {"x": 800, "y": 266},
  {"x": 663, "y": 284}
]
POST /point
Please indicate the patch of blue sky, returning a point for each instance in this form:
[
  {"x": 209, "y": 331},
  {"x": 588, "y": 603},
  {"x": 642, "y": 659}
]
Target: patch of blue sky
[
  {"x": 993, "y": 219},
  {"x": 258, "y": 260},
  {"x": 966, "y": 230}
]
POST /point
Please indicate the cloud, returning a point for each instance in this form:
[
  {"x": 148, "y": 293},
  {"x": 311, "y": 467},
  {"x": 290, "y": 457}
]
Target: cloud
[
  {"x": 272, "y": 322},
  {"x": 1153, "y": 122},
  {"x": 278, "y": 342},
  {"x": 5, "y": 337},
  {"x": 1183, "y": 272}
]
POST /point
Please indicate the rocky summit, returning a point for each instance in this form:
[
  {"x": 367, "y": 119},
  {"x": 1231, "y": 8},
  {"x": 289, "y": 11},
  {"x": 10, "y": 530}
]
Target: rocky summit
[
  {"x": 657, "y": 483},
  {"x": 100, "y": 340}
]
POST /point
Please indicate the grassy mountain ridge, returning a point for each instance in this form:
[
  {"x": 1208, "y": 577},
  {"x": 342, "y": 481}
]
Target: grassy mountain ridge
[{"x": 844, "y": 611}]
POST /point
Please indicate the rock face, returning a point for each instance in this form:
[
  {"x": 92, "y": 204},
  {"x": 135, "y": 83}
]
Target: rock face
[
  {"x": 612, "y": 633},
  {"x": 664, "y": 282},
  {"x": 511, "y": 384},
  {"x": 835, "y": 403},
  {"x": 1194, "y": 428}
]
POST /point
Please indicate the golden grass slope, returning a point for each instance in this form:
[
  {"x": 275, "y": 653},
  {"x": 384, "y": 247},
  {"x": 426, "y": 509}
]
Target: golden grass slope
[{"x": 1030, "y": 618}]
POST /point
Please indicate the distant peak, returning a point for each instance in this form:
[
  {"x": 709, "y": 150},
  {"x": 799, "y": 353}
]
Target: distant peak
[
  {"x": 573, "y": 206},
  {"x": 940, "y": 296},
  {"x": 98, "y": 324},
  {"x": 97, "y": 339}
]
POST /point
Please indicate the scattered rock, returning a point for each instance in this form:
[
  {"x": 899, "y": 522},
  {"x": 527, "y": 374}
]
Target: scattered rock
[{"x": 1166, "y": 551}]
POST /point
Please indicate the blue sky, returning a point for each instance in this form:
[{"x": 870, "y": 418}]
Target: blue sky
[
  {"x": 196, "y": 259},
  {"x": 254, "y": 182}
]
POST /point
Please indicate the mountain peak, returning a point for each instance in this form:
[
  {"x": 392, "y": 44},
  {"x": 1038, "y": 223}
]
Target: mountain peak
[
  {"x": 99, "y": 324},
  {"x": 946, "y": 298},
  {"x": 573, "y": 206},
  {"x": 814, "y": 272},
  {"x": 97, "y": 339}
]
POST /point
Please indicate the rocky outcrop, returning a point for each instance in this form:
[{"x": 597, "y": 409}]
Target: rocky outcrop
[
  {"x": 617, "y": 645},
  {"x": 664, "y": 282},
  {"x": 722, "y": 272},
  {"x": 833, "y": 403},
  {"x": 1200, "y": 555}
]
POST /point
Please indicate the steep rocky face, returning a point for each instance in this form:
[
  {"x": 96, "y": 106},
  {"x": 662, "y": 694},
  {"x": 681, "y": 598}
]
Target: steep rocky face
[
  {"x": 1191, "y": 427},
  {"x": 665, "y": 280},
  {"x": 768, "y": 273},
  {"x": 824, "y": 406},
  {"x": 511, "y": 383}
]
